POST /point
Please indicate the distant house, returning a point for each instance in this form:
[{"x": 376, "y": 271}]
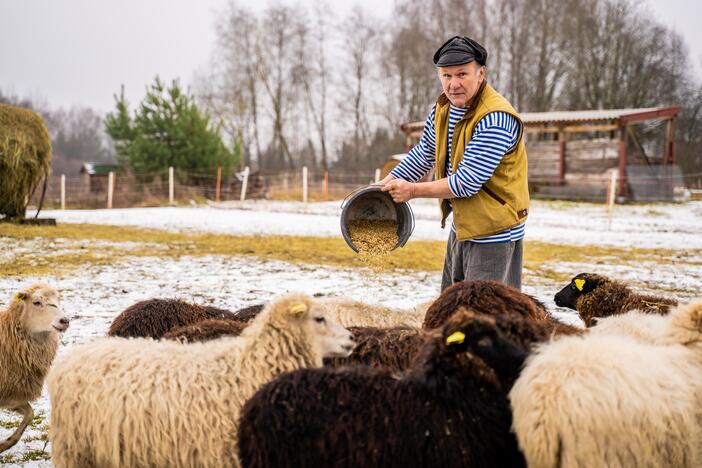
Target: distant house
[
  {"x": 572, "y": 153},
  {"x": 95, "y": 175}
]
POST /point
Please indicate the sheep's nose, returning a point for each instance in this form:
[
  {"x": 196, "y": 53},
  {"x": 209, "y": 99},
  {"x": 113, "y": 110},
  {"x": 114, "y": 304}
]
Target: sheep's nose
[{"x": 64, "y": 321}]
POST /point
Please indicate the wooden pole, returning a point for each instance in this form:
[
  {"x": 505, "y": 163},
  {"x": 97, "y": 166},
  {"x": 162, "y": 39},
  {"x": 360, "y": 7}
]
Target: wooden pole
[
  {"x": 622, "y": 161},
  {"x": 326, "y": 185},
  {"x": 244, "y": 183},
  {"x": 670, "y": 140},
  {"x": 171, "y": 188},
  {"x": 218, "y": 183},
  {"x": 110, "y": 188},
  {"x": 561, "y": 156},
  {"x": 63, "y": 191},
  {"x": 304, "y": 184},
  {"x": 611, "y": 194}
]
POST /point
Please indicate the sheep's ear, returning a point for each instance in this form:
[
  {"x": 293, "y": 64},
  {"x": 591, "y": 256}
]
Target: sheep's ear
[
  {"x": 21, "y": 296},
  {"x": 580, "y": 284},
  {"x": 298, "y": 309}
]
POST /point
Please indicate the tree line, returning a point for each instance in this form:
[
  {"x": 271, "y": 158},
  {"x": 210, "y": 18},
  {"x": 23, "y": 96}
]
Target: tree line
[{"x": 302, "y": 86}]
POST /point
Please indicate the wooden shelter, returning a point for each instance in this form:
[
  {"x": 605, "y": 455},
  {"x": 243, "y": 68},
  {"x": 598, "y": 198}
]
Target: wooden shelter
[{"x": 571, "y": 153}]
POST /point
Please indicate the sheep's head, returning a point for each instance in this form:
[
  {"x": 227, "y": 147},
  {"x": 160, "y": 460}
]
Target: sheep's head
[
  {"x": 41, "y": 309},
  {"x": 325, "y": 333},
  {"x": 579, "y": 286},
  {"x": 466, "y": 331}
]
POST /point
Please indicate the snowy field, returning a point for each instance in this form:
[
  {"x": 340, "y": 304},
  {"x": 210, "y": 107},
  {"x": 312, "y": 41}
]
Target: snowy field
[
  {"x": 674, "y": 226},
  {"x": 94, "y": 296}
]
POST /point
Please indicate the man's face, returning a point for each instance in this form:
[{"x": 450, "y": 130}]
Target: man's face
[{"x": 461, "y": 82}]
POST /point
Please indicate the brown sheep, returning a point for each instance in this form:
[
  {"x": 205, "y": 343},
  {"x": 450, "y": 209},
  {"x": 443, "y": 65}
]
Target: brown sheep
[
  {"x": 29, "y": 336},
  {"x": 152, "y": 318},
  {"x": 205, "y": 330},
  {"x": 393, "y": 348},
  {"x": 595, "y": 296},
  {"x": 491, "y": 298}
]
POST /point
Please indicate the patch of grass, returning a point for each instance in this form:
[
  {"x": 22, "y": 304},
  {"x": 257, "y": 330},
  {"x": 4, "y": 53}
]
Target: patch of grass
[{"x": 415, "y": 256}]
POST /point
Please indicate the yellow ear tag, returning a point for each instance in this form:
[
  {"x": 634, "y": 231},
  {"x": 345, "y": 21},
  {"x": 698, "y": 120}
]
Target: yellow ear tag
[
  {"x": 579, "y": 283},
  {"x": 298, "y": 309},
  {"x": 455, "y": 338}
]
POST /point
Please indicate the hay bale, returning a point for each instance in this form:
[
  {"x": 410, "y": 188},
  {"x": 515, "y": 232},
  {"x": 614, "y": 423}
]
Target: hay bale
[{"x": 25, "y": 158}]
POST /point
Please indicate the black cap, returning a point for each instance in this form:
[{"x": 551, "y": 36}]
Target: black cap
[{"x": 459, "y": 50}]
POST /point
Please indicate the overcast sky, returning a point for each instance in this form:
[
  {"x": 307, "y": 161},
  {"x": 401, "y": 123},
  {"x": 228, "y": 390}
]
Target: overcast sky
[{"x": 79, "y": 52}]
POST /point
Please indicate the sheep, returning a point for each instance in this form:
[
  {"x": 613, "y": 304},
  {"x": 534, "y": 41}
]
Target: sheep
[
  {"x": 448, "y": 409},
  {"x": 612, "y": 400},
  {"x": 152, "y": 318},
  {"x": 491, "y": 297},
  {"x": 30, "y": 329},
  {"x": 639, "y": 325},
  {"x": 351, "y": 313},
  {"x": 205, "y": 330},
  {"x": 596, "y": 296},
  {"x": 164, "y": 406},
  {"x": 394, "y": 348}
]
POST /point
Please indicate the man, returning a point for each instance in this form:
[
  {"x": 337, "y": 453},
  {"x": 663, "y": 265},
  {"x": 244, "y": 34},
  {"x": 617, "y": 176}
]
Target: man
[{"x": 474, "y": 137}]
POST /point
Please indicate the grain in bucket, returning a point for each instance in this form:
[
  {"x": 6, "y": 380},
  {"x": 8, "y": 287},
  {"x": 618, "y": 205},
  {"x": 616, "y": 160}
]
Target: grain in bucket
[{"x": 372, "y": 224}]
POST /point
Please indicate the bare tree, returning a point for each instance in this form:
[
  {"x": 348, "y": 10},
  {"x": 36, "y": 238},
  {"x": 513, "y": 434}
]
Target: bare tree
[{"x": 313, "y": 71}]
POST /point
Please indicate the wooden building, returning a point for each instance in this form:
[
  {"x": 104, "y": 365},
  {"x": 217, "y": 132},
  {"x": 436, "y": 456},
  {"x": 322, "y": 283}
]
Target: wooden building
[{"x": 571, "y": 153}]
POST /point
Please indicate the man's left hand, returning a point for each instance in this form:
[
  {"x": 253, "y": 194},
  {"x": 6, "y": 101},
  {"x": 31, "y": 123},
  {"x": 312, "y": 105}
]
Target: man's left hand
[{"x": 400, "y": 190}]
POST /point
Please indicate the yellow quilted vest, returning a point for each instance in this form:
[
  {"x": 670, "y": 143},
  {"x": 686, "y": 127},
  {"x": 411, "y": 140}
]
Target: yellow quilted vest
[{"x": 503, "y": 201}]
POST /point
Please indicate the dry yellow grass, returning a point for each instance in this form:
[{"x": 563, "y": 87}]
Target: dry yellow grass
[{"x": 118, "y": 242}]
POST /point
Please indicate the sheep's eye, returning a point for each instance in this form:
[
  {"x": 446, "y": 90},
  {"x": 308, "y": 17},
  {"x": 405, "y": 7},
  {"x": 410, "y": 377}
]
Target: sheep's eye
[
  {"x": 36, "y": 303},
  {"x": 319, "y": 319}
]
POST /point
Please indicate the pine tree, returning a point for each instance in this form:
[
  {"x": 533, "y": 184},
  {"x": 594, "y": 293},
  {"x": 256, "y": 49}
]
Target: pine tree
[{"x": 168, "y": 129}]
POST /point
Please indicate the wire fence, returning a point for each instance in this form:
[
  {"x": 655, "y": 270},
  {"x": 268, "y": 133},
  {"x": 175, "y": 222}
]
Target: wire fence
[{"x": 178, "y": 187}]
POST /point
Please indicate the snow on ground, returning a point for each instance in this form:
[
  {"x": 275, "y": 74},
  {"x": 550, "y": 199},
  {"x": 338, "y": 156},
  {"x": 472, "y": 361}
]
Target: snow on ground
[
  {"x": 673, "y": 226},
  {"x": 94, "y": 296}
]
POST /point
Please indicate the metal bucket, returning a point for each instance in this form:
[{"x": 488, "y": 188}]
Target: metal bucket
[{"x": 372, "y": 203}]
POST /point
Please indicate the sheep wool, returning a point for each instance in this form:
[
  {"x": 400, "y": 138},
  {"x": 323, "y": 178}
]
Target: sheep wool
[
  {"x": 29, "y": 338},
  {"x": 448, "y": 410},
  {"x": 614, "y": 400},
  {"x": 139, "y": 403}
]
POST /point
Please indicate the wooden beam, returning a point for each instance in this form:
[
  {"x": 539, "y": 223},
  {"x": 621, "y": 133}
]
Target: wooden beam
[
  {"x": 622, "y": 162},
  {"x": 670, "y": 142},
  {"x": 574, "y": 128},
  {"x": 638, "y": 144},
  {"x": 658, "y": 114},
  {"x": 561, "y": 160}
]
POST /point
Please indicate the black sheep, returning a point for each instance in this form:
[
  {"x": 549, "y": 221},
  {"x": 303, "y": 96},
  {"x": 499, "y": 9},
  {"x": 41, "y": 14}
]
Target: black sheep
[
  {"x": 595, "y": 296},
  {"x": 449, "y": 409}
]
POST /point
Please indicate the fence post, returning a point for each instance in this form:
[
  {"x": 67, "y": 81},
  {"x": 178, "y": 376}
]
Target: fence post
[
  {"x": 244, "y": 183},
  {"x": 171, "y": 188},
  {"x": 63, "y": 191},
  {"x": 218, "y": 183},
  {"x": 326, "y": 185},
  {"x": 304, "y": 184},
  {"x": 377, "y": 175},
  {"x": 611, "y": 194},
  {"x": 110, "y": 188}
]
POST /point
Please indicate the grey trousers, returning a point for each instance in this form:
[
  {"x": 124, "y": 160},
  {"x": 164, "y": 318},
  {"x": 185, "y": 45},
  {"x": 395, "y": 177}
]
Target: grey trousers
[{"x": 471, "y": 261}]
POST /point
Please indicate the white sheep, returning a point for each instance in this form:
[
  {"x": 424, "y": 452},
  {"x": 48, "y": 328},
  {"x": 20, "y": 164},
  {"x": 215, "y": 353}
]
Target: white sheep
[
  {"x": 29, "y": 336},
  {"x": 349, "y": 312},
  {"x": 608, "y": 399},
  {"x": 640, "y": 325},
  {"x": 135, "y": 402}
]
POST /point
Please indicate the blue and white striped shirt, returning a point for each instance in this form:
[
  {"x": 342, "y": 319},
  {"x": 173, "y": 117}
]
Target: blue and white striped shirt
[{"x": 495, "y": 135}]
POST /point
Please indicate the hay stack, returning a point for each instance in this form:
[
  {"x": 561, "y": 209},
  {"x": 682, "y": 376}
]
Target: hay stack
[{"x": 25, "y": 158}]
